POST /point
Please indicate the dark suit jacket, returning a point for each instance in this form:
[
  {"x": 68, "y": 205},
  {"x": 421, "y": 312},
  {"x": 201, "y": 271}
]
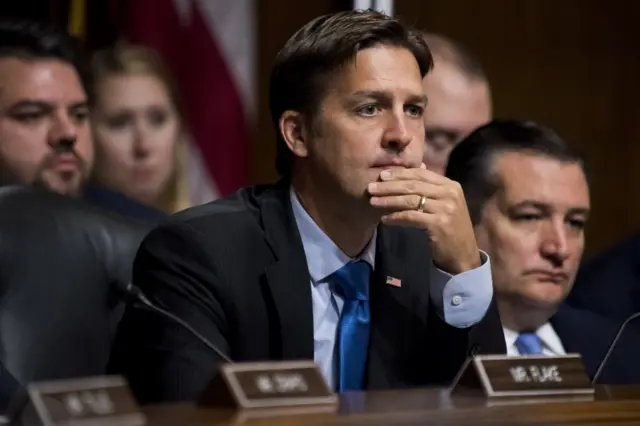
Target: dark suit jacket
[
  {"x": 121, "y": 204},
  {"x": 235, "y": 269},
  {"x": 590, "y": 335},
  {"x": 9, "y": 389},
  {"x": 609, "y": 284}
]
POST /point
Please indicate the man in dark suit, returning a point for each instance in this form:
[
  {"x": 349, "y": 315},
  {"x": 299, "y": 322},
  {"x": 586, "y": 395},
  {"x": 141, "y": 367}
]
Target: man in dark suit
[
  {"x": 529, "y": 201},
  {"x": 305, "y": 269},
  {"x": 609, "y": 283},
  {"x": 45, "y": 137}
]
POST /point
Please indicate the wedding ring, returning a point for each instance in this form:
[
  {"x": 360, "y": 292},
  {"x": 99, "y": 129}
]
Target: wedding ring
[{"x": 421, "y": 203}]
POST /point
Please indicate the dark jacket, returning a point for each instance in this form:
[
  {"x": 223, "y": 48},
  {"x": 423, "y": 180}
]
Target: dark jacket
[
  {"x": 590, "y": 335},
  {"x": 235, "y": 269},
  {"x": 609, "y": 284}
]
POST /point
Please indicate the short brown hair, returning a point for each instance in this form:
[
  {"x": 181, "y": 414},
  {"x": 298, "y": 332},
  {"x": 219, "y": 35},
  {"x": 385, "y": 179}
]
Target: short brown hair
[{"x": 305, "y": 65}]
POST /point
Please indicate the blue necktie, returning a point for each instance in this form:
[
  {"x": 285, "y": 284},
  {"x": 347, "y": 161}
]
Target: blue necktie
[
  {"x": 352, "y": 283},
  {"x": 529, "y": 344}
]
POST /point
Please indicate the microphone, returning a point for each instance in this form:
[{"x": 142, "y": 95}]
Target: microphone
[
  {"x": 612, "y": 346},
  {"x": 134, "y": 293}
]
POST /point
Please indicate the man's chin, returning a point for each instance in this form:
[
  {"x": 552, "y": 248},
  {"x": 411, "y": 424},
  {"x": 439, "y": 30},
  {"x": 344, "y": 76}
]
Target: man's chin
[
  {"x": 546, "y": 302},
  {"x": 68, "y": 187}
]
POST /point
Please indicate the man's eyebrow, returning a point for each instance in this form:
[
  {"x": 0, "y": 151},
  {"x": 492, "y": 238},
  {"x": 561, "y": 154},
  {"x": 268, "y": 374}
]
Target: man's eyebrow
[
  {"x": 373, "y": 94},
  {"x": 40, "y": 104},
  {"x": 78, "y": 105},
  {"x": 579, "y": 210},
  {"x": 418, "y": 99},
  {"x": 530, "y": 203},
  {"x": 31, "y": 103},
  {"x": 545, "y": 207},
  {"x": 381, "y": 95}
]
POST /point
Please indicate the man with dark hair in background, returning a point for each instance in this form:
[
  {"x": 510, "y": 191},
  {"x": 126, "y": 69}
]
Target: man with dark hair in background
[
  {"x": 459, "y": 99},
  {"x": 45, "y": 136},
  {"x": 528, "y": 199},
  {"x": 359, "y": 258}
]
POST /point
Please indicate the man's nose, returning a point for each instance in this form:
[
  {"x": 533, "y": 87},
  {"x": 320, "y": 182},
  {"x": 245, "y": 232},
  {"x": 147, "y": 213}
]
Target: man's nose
[
  {"x": 555, "y": 243},
  {"x": 64, "y": 133},
  {"x": 396, "y": 136}
]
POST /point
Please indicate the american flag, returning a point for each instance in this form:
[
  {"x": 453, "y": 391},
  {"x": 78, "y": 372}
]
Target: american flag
[
  {"x": 209, "y": 46},
  {"x": 396, "y": 282}
]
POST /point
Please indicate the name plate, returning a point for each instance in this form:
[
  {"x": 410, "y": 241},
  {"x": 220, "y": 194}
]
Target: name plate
[
  {"x": 99, "y": 401},
  {"x": 500, "y": 376},
  {"x": 260, "y": 385}
]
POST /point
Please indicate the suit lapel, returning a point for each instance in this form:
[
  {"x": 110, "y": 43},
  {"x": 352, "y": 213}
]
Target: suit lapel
[
  {"x": 288, "y": 278},
  {"x": 566, "y": 323},
  {"x": 389, "y": 302}
]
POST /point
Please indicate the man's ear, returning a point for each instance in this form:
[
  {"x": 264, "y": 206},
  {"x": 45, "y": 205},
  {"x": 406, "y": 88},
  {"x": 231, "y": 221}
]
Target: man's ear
[{"x": 294, "y": 132}]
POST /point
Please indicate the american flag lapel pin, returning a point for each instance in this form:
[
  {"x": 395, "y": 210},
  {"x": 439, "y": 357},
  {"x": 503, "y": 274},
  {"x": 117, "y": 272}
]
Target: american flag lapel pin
[{"x": 396, "y": 282}]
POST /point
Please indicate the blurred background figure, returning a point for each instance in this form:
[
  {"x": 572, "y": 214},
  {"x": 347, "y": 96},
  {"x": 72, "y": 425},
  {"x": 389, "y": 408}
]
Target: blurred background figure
[
  {"x": 459, "y": 99},
  {"x": 138, "y": 125},
  {"x": 45, "y": 138},
  {"x": 609, "y": 283},
  {"x": 210, "y": 49}
]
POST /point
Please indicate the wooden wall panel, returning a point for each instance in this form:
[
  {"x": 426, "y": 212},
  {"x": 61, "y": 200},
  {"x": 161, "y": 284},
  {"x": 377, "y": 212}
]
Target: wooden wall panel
[
  {"x": 277, "y": 21},
  {"x": 571, "y": 64}
]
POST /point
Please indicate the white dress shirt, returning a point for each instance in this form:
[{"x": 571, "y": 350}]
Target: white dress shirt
[
  {"x": 551, "y": 343},
  {"x": 461, "y": 300}
]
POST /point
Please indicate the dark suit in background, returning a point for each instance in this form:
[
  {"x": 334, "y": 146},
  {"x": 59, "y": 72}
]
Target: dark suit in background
[
  {"x": 609, "y": 283},
  {"x": 590, "y": 335},
  {"x": 235, "y": 269},
  {"x": 121, "y": 204}
]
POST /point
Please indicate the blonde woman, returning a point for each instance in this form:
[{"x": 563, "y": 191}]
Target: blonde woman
[{"x": 138, "y": 128}]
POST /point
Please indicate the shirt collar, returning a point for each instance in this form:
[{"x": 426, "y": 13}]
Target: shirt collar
[
  {"x": 323, "y": 255},
  {"x": 546, "y": 333},
  {"x": 510, "y": 336}
]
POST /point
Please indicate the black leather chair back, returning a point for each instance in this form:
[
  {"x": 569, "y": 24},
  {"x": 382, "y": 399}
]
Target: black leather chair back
[{"x": 61, "y": 265}]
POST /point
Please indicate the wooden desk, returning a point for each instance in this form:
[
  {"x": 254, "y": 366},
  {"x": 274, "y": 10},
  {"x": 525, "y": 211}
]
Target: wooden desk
[{"x": 612, "y": 406}]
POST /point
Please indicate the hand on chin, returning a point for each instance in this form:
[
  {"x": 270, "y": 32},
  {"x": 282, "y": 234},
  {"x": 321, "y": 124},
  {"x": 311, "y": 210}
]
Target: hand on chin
[{"x": 422, "y": 199}]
